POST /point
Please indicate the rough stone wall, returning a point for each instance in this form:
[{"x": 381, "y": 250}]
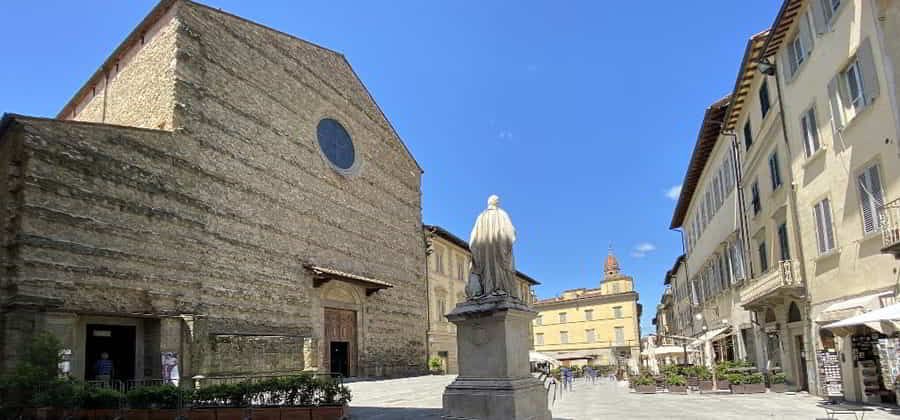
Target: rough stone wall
[
  {"x": 139, "y": 90},
  {"x": 251, "y": 99},
  {"x": 235, "y": 354}
]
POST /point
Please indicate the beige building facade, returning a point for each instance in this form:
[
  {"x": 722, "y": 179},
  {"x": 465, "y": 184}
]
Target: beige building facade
[
  {"x": 222, "y": 191},
  {"x": 447, "y": 274},
  {"x": 813, "y": 122},
  {"x": 597, "y": 326}
]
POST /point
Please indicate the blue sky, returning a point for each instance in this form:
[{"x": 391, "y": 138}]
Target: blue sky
[{"x": 581, "y": 115}]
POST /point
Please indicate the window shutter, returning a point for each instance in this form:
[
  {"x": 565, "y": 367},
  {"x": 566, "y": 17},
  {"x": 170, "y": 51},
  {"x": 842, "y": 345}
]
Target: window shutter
[
  {"x": 864, "y": 186},
  {"x": 829, "y": 232},
  {"x": 807, "y": 134},
  {"x": 820, "y": 227},
  {"x": 870, "y": 76},
  {"x": 837, "y": 110},
  {"x": 806, "y": 36},
  {"x": 789, "y": 57},
  {"x": 819, "y": 18}
]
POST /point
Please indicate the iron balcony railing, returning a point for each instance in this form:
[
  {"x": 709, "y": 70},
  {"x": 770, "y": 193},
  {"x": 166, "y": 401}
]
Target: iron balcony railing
[
  {"x": 890, "y": 226},
  {"x": 781, "y": 277}
]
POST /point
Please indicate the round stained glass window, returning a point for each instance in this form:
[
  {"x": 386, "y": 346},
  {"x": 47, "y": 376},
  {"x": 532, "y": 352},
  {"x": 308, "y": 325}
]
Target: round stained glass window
[{"x": 336, "y": 144}]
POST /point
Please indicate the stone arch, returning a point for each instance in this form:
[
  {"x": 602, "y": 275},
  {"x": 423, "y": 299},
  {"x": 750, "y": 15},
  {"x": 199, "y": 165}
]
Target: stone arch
[
  {"x": 794, "y": 314},
  {"x": 341, "y": 292}
]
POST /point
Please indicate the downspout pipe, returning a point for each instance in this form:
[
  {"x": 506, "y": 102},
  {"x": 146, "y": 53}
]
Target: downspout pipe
[{"x": 801, "y": 259}]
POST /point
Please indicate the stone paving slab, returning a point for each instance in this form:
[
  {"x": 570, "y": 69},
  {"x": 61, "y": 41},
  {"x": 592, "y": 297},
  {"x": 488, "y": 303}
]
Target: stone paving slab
[{"x": 420, "y": 398}]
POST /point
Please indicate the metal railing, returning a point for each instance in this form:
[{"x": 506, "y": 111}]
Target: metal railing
[{"x": 890, "y": 223}]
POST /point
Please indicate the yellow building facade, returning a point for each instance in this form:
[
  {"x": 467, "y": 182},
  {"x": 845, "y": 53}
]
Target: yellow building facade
[{"x": 598, "y": 326}]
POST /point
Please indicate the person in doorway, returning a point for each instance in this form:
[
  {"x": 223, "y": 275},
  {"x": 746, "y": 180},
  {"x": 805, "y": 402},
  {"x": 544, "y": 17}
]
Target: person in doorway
[{"x": 103, "y": 368}]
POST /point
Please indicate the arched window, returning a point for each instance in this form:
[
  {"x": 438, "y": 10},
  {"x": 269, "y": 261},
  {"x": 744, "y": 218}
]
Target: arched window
[{"x": 794, "y": 313}]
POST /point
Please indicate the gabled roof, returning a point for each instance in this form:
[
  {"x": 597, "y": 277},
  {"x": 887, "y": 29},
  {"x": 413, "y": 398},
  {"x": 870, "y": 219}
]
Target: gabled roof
[
  {"x": 456, "y": 240},
  {"x": 706, "y": 140}
]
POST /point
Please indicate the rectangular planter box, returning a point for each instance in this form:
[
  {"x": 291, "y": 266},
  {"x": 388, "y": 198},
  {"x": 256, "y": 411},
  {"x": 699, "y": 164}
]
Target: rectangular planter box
[
  {"x": 706, "y": 385},
  {"x": 231, "y": 413},
  {"x": 336, "y": 412},
  {"x": 102, "y": 414},
  {"x": 748, "y": 389},
  {"x": 723, "y": 385},
  {"x": 298, "y": 413},
  {"x": 645, "y": 389},
  {"x": 266, "y": 413},
  {"x": 778, "y": 388},
  {"x": 678, "y": 389}
]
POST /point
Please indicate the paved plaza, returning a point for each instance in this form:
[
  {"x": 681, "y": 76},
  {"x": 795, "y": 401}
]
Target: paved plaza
[{"x": 420, "y": 398}]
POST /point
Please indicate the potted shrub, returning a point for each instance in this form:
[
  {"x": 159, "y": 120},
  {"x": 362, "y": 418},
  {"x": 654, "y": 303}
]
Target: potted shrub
[
  {"x": 736, "y": 382},
  {"x": 754, "y": 383},
  {"x": 705, "y": 378},
  {"x": 645, "y": 384},
  {"x": 778, "y": 382},
  {"x": 101, "y": 403},
  {"x": 436, "y": 365},
  {"x": 676, "y": 383},
  {"x": 157, "y": 402}
]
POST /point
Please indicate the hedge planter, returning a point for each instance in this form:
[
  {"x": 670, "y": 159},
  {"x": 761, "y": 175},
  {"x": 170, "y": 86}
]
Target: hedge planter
[
  {"x": 267, "y": 413},
  {"x": 778, "y": 388},
  {"x": 645, "y": 389},
  {"x": 231, "y": 413},
  {"x": 678, "y": 389},
  {"x": 723, "y": 385},
  {"x": 299, "y": 413},
  {"x": 103, "y": 414},
  {"x": 335, "y": 412},
  {"x": 706, "y": 385}
]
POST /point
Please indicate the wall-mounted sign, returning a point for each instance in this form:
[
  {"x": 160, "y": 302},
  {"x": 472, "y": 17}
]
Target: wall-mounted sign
[{"x": 102, "y": 333}]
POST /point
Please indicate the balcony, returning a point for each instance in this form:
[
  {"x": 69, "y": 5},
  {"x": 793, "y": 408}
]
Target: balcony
[
  {"x": 773, "y": 286},
  {"x": 890, "y": 228}
]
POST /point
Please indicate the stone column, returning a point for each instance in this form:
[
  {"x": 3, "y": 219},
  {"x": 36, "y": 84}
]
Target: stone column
[
  {"x": 310, "y": 354},
  {"x": 494, "y": 379}
]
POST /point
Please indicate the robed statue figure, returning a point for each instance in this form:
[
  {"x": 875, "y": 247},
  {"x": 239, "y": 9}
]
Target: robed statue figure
[{"x": 493, "y": 269}]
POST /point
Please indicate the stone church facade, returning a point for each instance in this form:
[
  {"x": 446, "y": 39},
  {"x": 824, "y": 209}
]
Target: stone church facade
[{"x": 222, "y": 191}]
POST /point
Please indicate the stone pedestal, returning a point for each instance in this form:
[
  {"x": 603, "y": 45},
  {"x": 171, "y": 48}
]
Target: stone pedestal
[{"x": 494, "y": 379}]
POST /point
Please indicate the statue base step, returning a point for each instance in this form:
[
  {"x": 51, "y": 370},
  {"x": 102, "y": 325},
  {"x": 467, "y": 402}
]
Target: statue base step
[{"x": 496, "y": 399}]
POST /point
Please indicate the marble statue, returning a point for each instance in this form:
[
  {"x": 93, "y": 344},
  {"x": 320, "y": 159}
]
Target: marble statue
[{"x": 493, "y": 269}]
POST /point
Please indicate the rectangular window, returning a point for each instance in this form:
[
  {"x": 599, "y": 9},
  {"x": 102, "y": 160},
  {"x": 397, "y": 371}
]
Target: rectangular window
[
  {"x": 774, "y": 172},
  {"x": 588, "y": 314},
  {"x": 783, "y": 245},
  {"x": 763, "y": 257},
  {"x": 810, "y": 131},
  {"x": 460, "y": 268},
  {"x": 853, "y": 78},
  {"x": 439, "y": 260},
  {"x": 829, "y": 7},
  {"x": 620, "y": 335},
  {"x": 539, "y": 339},
  {"x": 617, "y": 312},
  {"x": 564, "y": 337},
  {"x": 748, "y": 136},
  {"x": 442, "y": 310},
  {"x": 870, "y": 199},
  {"x": 796, "y": 53},
  {"x": 824, "y": 232},
  {"x": 590, "y": 335},
  {"x": 764, "y": 103},
  {"x": 562, "y": 317},
  {"x": 754, "y": 191}
]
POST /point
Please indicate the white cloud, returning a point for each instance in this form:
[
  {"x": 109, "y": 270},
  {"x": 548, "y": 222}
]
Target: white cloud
[
  {"x": 642, "y": 249},
  {"x": 505, "y": 135},
  {"x": 674, "y": 192}
]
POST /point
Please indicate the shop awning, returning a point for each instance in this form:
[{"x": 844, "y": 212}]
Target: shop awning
[
  {"x": 852, "y": 307},
  {"x": 663, "y": 350},
  {"x": 885, "y": 320},
  {"x": 574, "y": 355},
  {"x": 538, "y": 357},
  {"x": 709, "y": 336}
]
